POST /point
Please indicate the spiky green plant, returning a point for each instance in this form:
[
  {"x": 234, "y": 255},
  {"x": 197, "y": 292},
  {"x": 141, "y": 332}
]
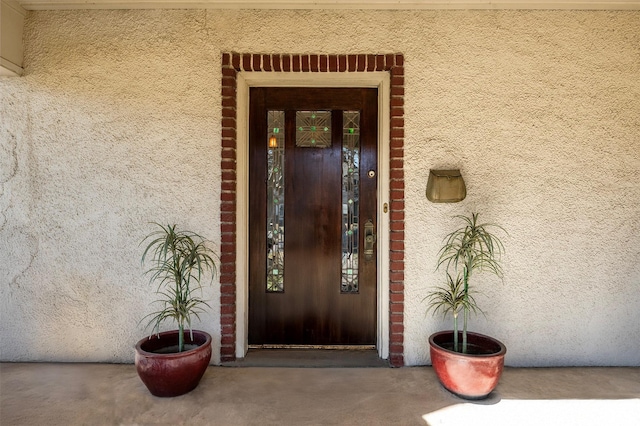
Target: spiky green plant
[
  {"x": 452, "y": 299},
  {"x": 180, "y": 260},
  {"x": 473, "y": 247}
]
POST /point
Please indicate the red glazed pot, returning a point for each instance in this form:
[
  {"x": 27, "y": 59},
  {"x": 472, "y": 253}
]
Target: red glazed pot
[
  {"x": 168, "y": 373},
  {"x": 473, "y": 375}
]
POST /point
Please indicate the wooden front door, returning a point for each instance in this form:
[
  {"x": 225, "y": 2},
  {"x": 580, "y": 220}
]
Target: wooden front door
[{"x": 312, "y": 216}]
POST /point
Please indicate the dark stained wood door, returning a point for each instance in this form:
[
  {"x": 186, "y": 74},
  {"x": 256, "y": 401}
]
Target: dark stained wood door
[{"x": 302, "y": 290}]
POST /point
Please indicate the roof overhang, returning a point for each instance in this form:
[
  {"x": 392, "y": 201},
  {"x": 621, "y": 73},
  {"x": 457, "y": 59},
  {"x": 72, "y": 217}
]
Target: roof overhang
[{"x": 330, "y": 4}]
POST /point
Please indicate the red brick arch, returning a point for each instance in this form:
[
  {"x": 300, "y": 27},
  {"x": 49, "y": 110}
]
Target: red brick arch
[{"x": 232, "y": 63}]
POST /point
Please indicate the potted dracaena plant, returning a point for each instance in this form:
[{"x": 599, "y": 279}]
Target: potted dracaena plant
[
  {"x": 172, "y": 363},
  {"x": 466, "y": 363}
]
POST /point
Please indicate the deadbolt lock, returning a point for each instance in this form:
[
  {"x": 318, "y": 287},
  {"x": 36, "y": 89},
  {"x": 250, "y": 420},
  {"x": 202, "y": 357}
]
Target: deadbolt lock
[{"x": 369, "y": 239}]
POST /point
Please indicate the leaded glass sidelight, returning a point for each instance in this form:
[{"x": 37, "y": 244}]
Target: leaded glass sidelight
[
  {"x": 313, "y": 129},
  {"x": 350, "y": 200},
  {"x": 275, "y": 201}
]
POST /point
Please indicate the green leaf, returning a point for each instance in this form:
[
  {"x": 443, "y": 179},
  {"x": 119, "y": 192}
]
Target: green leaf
[
  {"x": 472, "y": 247},
  {"x": 177, "y": 259}
]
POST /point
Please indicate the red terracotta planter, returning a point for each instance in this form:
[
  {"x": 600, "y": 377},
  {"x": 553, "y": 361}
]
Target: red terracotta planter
[
  {"x": 172, "y": 373},
  {"x": 473, "y": 375}
]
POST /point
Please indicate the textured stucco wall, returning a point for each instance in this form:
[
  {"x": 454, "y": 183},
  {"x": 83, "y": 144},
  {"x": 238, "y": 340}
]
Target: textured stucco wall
[{"x": 116, "y": 123}]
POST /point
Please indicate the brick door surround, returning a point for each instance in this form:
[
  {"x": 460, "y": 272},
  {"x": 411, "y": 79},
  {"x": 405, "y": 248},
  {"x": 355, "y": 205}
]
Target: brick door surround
[{"x": 232, "y": 63}]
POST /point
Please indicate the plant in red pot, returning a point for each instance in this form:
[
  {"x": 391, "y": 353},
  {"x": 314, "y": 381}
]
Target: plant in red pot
[
  {"x": 171, "y": 363},
  {"x": 466, "y": 363}
]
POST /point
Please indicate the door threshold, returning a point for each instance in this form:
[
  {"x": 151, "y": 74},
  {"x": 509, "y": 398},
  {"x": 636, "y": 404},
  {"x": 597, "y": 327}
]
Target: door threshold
[
  {"x": 316, "y": 347},
  {"x": 307, "y": 357}
]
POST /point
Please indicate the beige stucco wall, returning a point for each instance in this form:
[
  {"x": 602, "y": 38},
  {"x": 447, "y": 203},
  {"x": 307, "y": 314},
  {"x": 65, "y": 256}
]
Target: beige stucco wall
[{"x": 116, "y": 123}]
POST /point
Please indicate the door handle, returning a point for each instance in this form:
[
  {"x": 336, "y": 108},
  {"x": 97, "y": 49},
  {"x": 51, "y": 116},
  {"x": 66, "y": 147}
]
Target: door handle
[{"x": 369, "y": 239}]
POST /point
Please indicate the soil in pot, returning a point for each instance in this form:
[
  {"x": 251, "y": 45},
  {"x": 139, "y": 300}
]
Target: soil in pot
[
  {"x": 173, "y": 349},
  {"x": 472, "y": 349}
]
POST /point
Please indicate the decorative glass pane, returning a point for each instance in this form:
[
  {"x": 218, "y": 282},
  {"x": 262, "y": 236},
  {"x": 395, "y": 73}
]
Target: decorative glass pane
[
  {"x": 313, "y": 129},
  {"x": 275, "y": 201},
  {"x": 350, "y": 200}
]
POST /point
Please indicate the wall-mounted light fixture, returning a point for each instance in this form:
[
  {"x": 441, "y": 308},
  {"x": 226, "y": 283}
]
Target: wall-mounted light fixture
[{"x": 445, "y": 186}]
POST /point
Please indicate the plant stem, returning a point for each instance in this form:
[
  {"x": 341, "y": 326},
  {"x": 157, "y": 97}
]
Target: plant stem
[
  {"x": 180, "y": 337},
  {"x": 455, "y": 332},
  {"x": 464, "y": 331},
  {"x": 466, "y": 309}
]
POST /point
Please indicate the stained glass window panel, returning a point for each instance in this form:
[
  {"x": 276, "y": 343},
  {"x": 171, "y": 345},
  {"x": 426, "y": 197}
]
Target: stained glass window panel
[
  {"x": 275, "y": 201},
  {"x": 313, "y": 129},
  {"x": 350, "y": 200}
]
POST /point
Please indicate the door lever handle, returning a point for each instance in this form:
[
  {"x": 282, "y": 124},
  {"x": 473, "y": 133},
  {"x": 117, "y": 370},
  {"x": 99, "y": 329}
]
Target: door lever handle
[{"x": 369, "y": 239}]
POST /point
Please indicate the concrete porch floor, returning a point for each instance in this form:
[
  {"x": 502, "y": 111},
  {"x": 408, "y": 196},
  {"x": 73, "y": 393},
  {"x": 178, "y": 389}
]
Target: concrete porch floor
[{"x": 112, "y": 394}]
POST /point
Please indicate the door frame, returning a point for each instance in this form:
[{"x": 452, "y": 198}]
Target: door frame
[{"x": 376, "y": 79}]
